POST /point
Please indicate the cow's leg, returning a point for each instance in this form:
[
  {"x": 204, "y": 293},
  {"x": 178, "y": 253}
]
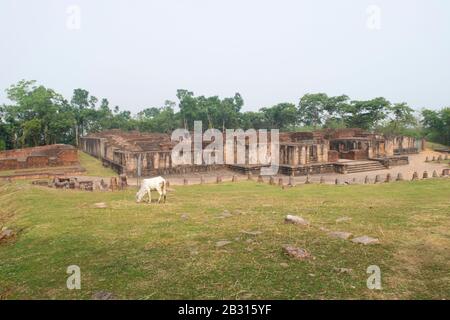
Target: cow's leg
[
  {"x": 164, "y": 192},
  {"x": 160, "y": 194},
  {"x": 149, "y": 195}
]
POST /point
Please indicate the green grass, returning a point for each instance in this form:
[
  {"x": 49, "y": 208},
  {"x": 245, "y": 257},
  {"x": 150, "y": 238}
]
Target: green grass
[
  {"x": 93, "y": 166},
  {"x": 149, "y": 252},
  {"x": 434, "y": 145}
]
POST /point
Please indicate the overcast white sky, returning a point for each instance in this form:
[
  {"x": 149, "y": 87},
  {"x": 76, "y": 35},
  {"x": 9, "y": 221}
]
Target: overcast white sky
[{"x": 137, "y": 53}]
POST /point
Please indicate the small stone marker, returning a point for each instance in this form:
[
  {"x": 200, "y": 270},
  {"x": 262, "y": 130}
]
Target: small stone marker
[
  {"x": 427, "y": 160},
  {"x": 415, "y": 176},
  {"x": 6, "y": 233},
  {"x": 185, "y": 182},
  {"x": 377, "y": 178},
  {"x": 366, "y": 180},
  {"x": 123, "y": 182},
  {"x": 260, "y": 179},
  {"x": 365, "y": 240},
  {"x": 113, "y": 184},
  {"x": 226, "y": 214},
  {"x": 296, "y": 253},
  {"x": 103, "y": 185},
  {"x": 249, "y": 176},
  {"x": 336, "y": 181},
  {"x": 425, "y": 175},
  {"x": 202, "y": 181},
  {"x": 435, "y": 174},
  {"x": 388, "y": 178},
  {"x": 218, "y": 179},
  {"x": 340, "y": 235},
  {"x": 434, "y": 158},
  {"x": 296, "y": 220},
  {"x": 102, "y": 295},
  {"x": 307, "y": 180},
  {"x": 222, "y": 243},
  {"x": 399, "y": 177},
  {"x": 100, "y": 205},
  {"x": 343, "y": 219},
  {"x": 322, "y": 180},
  {"x": 184, "y": 216},
  {"x": 234, "y": 179}
]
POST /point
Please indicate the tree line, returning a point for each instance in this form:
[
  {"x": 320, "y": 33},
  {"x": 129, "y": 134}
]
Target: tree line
[{"x": 37, "y": 115}]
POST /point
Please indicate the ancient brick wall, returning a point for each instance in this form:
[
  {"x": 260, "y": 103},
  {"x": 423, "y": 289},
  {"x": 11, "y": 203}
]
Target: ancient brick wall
[
  {"x": 333, "y": 156},
  {"x": 39, "y": 157},
  {"x": 8, "y": 164},
  {"x": 68, "y": 157}
]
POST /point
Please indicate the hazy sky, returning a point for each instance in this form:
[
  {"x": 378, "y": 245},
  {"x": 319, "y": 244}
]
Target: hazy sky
[{"x": 137, "y": 53}]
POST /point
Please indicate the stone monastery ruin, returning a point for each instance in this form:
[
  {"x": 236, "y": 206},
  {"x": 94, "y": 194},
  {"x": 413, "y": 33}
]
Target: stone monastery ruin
[{"x": 301, "y": 153}]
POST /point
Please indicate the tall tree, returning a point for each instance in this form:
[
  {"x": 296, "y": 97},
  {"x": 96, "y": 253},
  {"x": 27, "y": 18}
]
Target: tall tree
[
  {"x": 366, "y": 114},
  {"x": 36, "y": 115},
  {"x": 311, "y": 108},
  {"x": 437, "y": 125},
  {"x": 281, "y": 116}
]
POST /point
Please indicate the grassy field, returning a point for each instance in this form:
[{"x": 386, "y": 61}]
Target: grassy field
[
  {"x": 147, "y": 251},
  {"x": 434, "y": 145},
  {"x": 94, "y": 166}
]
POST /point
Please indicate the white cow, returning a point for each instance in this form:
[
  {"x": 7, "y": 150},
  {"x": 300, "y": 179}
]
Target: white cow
[{"x": 158, "y": 183}]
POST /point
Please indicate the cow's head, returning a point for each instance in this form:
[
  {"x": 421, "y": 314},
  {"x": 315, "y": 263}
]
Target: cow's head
[{"x": 139, "y": 195}]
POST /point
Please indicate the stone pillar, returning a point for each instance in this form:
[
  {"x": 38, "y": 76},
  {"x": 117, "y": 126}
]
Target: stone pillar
[
  {"x": 325, "y": 151},
  {"x": 156, "y": 160},
  {"x": 307, "y": 155},
  {"x": 295, "y": 158},
  {"x": 369, "y": 150},
  {"x": 302, "y": 155},
  {"x": 167, "y": 160},
  {"x": 389, "y": 147}
]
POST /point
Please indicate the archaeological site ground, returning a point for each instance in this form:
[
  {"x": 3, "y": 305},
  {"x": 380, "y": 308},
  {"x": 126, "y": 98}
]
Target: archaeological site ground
[{"x": 225, "y": 232}]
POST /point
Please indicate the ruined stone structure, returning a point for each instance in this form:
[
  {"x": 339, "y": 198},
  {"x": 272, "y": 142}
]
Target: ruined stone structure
[
  {"x": 301, "y": 153},
  {"x": 56, "y": 155}
]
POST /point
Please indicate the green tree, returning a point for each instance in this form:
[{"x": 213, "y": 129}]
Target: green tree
[
  {"x": 401, "y": 120},
  {"x": 437, "y": 125},
  {"x": 36, "y": 115},
  {"x": 281, "y": 116},
  {"x": 366, "y": 114},
  {"x": 311, "y": 108},
  {"x": 252, "y": 120}
]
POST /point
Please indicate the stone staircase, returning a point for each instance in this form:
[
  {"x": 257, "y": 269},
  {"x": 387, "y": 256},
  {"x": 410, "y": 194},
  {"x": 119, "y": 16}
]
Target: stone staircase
[
  {"x": 358, "y": 166},
  {"x": 363, "y": 166}
]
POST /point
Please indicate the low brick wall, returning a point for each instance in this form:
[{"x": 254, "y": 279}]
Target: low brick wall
[{"x": 39, "y": 157}]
